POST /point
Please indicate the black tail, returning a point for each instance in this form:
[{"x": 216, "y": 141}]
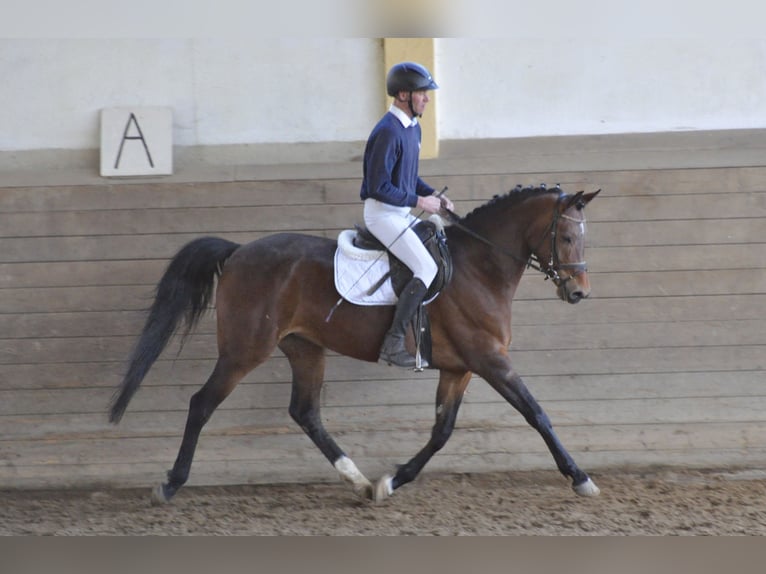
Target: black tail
[{"x": 184, "y": 292}]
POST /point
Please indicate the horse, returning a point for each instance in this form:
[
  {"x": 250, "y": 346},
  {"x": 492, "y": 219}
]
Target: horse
[{"x": 276, "y": 291}]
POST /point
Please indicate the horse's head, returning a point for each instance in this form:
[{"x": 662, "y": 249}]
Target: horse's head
[
  {"x": 551, "y": 226},
  {"x": 561, "y": 251}
]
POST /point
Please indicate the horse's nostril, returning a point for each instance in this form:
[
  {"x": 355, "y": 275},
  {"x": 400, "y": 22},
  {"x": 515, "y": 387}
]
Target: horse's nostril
[{"x": 576, "y": 296}]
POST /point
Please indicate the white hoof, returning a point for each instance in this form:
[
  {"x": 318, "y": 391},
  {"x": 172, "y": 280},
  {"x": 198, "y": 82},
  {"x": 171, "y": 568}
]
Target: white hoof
[
  {"x": 587, "y": 488},
  {"x": 351, "y": 474},
  {"x": 158, "y": 496},
  {"x": 364, "y": 490},
  {"x": 384, "y": 489}
]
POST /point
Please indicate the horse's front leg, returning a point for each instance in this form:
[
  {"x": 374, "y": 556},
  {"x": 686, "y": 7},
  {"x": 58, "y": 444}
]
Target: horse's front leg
[
  {"x": 504, "y": 379},
  {"x": 449, "y": 396}
]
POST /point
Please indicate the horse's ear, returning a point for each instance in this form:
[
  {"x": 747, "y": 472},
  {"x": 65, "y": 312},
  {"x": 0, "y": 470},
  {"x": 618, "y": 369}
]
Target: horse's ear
[
  {"x": 582, "y": 199},
  {"x": 575, "y": 199}
]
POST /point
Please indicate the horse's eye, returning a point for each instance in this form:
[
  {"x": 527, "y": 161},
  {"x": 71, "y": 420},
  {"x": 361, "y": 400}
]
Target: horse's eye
[{"x": 567, "y": 239}]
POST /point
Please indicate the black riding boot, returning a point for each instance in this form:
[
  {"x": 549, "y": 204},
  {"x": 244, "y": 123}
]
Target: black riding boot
[{"x": 393, "y": 350}]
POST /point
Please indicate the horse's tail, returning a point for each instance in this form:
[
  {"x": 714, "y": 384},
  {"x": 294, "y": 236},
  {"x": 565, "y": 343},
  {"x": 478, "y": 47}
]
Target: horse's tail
[{"x": 184, "y": 292}]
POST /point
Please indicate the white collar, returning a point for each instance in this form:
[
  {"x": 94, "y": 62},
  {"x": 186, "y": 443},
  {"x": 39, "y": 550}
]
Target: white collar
[{"x": 403, "y": 117}]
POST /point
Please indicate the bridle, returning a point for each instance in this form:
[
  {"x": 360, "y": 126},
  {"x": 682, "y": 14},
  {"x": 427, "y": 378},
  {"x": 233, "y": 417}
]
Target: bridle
[{"x": 554, "y": 265}]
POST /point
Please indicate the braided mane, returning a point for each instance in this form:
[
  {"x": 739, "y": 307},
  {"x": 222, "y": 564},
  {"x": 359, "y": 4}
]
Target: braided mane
[{"x": 513, "y": 197}]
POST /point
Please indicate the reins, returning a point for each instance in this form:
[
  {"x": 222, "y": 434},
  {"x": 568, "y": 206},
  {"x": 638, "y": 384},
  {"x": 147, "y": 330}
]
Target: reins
[
  {"x": 454, "y": 219},
  {"x": 551, "y": 271}
]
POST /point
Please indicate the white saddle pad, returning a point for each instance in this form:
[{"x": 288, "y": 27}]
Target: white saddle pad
[{"x": 356, "y": 270}]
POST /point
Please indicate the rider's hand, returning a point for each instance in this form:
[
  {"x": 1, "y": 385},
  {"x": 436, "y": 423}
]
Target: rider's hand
[{"x": 429, "y": 203}]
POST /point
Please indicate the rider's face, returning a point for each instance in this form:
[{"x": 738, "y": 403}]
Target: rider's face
[{"x": 419, "y": 101}]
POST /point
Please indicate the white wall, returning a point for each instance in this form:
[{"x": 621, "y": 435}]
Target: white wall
[
  {"x": 507, "y": 88},
  {"x": 328, "y": 89},
  {"x": 221, "y": 92}
]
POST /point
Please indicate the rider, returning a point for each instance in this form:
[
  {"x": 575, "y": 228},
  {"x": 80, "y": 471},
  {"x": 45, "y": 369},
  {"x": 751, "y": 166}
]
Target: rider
[{"x": 392, "y": 186}]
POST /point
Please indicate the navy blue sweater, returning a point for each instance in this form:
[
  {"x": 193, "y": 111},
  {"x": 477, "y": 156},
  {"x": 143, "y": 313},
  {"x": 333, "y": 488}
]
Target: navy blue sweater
[{"x": 390, "y": 166}]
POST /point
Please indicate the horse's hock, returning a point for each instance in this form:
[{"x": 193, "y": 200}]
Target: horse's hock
[{"x": 663, "y": 365}]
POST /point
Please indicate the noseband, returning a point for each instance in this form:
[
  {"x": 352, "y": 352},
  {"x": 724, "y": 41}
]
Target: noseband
[{"x": 554, "y": 265}]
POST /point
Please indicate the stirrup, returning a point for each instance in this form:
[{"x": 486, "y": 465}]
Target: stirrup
[
  {"x": 401, "y": 358},
  {"x": 404, "y": 360}
]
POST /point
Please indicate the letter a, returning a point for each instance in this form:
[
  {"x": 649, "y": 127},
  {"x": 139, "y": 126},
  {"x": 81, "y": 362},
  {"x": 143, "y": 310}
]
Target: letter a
[{"x": 132, "y": 120}]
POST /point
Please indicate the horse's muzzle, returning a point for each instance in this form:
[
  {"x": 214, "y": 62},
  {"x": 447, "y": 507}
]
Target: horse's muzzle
[
  {"x": 575, "y": 296},
  {"x": 574, "y": 289}
]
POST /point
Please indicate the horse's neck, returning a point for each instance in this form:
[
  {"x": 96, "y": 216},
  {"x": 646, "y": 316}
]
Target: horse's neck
[
  {"x": 506, "y": 250},
  {"x": 508, "y": 229}
]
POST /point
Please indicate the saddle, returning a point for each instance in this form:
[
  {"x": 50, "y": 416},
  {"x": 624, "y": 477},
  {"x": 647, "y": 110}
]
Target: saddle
[{"x": 435, "y": 241}]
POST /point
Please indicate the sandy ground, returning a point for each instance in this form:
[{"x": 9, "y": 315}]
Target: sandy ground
[{"x": 632, "y": 502}]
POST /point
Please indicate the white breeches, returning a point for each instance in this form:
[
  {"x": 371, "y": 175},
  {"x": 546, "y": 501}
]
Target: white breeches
[{"x": 386, "y": 222}]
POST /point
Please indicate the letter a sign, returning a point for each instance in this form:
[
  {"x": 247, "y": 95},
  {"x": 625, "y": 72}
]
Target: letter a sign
[{"x": 136, "y": 142}]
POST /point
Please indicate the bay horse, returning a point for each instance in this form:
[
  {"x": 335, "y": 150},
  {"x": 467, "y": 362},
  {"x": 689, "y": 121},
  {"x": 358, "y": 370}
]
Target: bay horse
[{"x": 277, "y": 291}]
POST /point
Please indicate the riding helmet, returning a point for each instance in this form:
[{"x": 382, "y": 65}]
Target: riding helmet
[{"x": 409, "y": 77}]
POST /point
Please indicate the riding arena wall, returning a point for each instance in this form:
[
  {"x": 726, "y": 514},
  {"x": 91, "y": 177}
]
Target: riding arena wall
[{"x": 663, "y": 365}]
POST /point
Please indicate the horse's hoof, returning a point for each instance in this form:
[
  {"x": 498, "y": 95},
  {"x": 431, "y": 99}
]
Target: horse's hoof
[
  {"x": 158, "y": 496},
  {"x": 384, "y": 488},
  {"x": 587, "y": 488},
  {"x": 364, "y": 491},
  {"x": 351, "y": 474}
]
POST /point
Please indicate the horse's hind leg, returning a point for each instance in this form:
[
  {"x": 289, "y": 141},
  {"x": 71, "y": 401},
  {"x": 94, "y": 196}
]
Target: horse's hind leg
[
  {"x": 222, "y": 381},
  {"x": 307, "y": 361},
  {"x": 449, "y": 396}
]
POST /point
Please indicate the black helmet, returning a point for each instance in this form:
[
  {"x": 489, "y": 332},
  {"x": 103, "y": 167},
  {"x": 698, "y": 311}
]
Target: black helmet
[{"x": 409, "y": 77}]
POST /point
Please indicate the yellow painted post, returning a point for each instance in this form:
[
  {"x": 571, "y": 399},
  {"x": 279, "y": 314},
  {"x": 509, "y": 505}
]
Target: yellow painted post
[{"x": 420, "y": 50}]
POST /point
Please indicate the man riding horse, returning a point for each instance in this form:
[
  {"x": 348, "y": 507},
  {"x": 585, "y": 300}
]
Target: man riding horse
[{"x": 392, "y": 187}]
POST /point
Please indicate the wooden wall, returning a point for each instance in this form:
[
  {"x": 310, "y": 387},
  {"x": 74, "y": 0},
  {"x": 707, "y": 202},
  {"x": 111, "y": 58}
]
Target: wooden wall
[{"x": 663, "y": 365}]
